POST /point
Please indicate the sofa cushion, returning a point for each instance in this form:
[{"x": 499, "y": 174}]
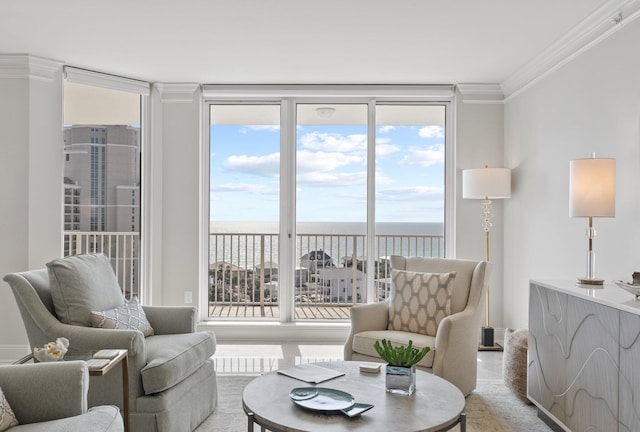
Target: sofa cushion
[
  {"x": 81, "y": 284},
  {"x": 172, "y": 358},
  {"x": 104, "y": 418},
  {"x": 7, "y": 416},
  {"x": 419, "y": 301},
  {"x": 363, "y": 343},
  {"x": 129, "y": 315}
]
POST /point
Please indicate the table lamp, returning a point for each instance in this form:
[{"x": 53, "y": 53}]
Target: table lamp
[
  {"x": 592, "y": 193},
  {"x": 487, "y": 184}
]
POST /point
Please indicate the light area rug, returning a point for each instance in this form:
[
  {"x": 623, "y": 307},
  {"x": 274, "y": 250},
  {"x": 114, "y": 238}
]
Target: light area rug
[{"x": 490, "y": 408}]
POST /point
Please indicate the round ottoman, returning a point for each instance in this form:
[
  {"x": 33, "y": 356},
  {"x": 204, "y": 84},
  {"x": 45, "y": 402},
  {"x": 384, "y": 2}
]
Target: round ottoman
[{"x": 514, "y": 362}]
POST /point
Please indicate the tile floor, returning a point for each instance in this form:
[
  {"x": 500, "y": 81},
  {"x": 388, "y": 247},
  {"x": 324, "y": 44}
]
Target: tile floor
[{"x": 255, "y": 359}]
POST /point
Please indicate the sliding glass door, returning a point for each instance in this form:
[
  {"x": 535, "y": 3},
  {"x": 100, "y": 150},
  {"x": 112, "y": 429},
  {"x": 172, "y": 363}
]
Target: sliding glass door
[
  {"x": 244, "y": 210},
  {"x": 310, "y": 196},
  {"x": 331, "y": 208}
]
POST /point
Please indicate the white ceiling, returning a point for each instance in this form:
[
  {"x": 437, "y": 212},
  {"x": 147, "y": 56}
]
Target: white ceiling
[{"x": 294, "y": 41}]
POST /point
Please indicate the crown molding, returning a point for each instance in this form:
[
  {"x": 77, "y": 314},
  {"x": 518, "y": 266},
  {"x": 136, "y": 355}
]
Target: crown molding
[
  {"x": 599, "y": 25},
  {"x": 14, "y": 66},
  {"x": 481, "y": 93},
  {"x": 99, "y": 79},
  {"x": 436, "y": 92},
  {"x": 177, "y": 93}
]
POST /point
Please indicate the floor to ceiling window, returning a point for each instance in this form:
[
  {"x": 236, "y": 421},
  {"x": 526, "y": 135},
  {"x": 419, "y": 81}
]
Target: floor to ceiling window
[
  {"x": 102, "y": 171},
  {"x": 311, "y": 194},
  {"x": 244, "y": 209},
  {"x": 410, "y": 185}
]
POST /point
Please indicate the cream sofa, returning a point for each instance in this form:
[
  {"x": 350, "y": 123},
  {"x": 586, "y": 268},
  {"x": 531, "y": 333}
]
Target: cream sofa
[{"x": 454, "y": 348}]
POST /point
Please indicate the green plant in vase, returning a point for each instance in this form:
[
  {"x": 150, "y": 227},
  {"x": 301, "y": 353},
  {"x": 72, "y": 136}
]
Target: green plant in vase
[
  {"x": 405, "y": 356},
  {"x": 401, "y": 369}
]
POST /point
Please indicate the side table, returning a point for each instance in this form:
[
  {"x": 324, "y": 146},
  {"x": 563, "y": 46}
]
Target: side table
[{"x": 107, "y": 360}]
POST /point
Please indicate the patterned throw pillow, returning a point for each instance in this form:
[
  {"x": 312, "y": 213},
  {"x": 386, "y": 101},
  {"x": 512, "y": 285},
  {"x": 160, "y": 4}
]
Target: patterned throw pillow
[
  {"x": 130, "y": 316},
  {"x": 419, "y": 301},
  {"x": 7, "y": 416}
]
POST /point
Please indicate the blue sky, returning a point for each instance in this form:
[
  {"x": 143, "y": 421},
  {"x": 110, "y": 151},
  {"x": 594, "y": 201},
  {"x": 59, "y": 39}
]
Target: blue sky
[{"x": 331, "y": 173}]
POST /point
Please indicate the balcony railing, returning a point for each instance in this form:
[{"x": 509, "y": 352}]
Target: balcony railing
[
  {"x": 330, "y": 275},
  {"x": 123, "y": 248},
  {"x": 330, "y": 272}
]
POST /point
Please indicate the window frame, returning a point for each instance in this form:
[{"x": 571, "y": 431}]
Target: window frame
[
  {"x": 288, "y": 97},
  {"x": 143, "y": 89}
]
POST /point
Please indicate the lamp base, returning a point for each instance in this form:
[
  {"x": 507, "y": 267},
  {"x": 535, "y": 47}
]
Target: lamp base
[
  {"x": 488, "y": 343},
  {"x": 588, "y": 281}
]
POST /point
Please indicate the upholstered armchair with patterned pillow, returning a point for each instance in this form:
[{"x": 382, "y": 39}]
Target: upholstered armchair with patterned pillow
[
  {"x": 172, "y": 381},
  {"x": 434, "y": 302}
]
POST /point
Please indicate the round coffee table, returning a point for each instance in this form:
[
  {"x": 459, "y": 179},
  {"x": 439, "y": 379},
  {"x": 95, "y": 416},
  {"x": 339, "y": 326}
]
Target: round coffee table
[{"x": 436, "y": 404}]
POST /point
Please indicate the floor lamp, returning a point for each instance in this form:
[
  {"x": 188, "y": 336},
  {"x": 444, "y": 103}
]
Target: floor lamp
[
  {"x": 487, "y": 184},
  {"x": 592, "y": 193}
]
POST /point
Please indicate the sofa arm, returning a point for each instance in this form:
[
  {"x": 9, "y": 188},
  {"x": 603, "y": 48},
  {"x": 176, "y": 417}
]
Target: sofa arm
[
  {"x": 171, "y": 319},
  {"x": 46, "y": 391},
  {"x": 456, "y": 349},
  {"x": 91, "y": 339},
  {"x": 372, "y": 316},
  {"x": 365, "y": 317}
]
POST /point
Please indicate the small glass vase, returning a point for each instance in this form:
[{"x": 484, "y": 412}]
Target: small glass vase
[{"x": 400, "y": 379}]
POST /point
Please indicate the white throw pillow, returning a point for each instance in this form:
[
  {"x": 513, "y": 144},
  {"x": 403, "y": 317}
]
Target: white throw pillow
[
  {"x": 129, "y": 315},
  {"x": 7, "y": 416},
  {"x": 419, "y": 301}
]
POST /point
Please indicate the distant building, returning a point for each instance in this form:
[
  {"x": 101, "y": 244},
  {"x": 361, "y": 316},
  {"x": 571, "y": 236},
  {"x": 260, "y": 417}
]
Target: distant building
[
  {"x": 102, "y": 195},
  {"x": 102, "y": 178}
]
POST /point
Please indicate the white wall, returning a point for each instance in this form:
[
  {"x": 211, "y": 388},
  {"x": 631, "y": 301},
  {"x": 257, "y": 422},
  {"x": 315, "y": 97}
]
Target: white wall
[
  {"x": 31, "y": 166},
  {"x": 176, "y": 130},
  {"x": 31, "y": 143},
  {"x": 591, "y": 104},
  {"x": 479, "y": 136}
]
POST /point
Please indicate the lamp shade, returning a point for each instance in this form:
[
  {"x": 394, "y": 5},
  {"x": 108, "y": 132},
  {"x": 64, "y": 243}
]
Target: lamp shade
[
  {"x": 481, "y": 183},
  {"x": 592, "y": 187}
]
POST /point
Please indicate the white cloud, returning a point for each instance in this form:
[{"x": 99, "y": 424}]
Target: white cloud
[
  {"x": 383, "y": 149},
  {"x": 334, "y": 142},
  {"x": 386, "y": 129},
  {"x": 410, "y": 193},
  {"x": 424, "y": 156},
  {"x": 431, "y": 132},
  {"x": 265, "y": 166},
  {"x": 312, "y": 167},
  {"x": 323, "y": 162},
  {"x": 332, "y": 179},
  {"x": 382, "y": 178},
  {"x": 269, "y": 128},
  {"x": 251, "y": 188}
]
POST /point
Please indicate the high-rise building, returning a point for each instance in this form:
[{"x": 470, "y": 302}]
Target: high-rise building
[
  {"x": 102, "y": 195},
  {"x": 102, "y": 173}
]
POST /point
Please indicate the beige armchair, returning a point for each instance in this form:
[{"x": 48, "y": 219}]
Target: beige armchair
[{"x": 454, "y": 346}]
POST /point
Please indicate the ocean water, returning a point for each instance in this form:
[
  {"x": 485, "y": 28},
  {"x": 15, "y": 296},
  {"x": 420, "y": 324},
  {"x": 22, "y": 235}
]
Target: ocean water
[{"x": 247, "y": 244}]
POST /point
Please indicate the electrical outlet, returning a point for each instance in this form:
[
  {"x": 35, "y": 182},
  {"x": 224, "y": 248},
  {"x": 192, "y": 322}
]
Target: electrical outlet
[{"x": 188, "y": 297}]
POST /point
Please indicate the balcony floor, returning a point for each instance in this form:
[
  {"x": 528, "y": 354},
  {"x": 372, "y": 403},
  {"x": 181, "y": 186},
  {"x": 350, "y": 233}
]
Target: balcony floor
[{"x": 302, "y": 312}]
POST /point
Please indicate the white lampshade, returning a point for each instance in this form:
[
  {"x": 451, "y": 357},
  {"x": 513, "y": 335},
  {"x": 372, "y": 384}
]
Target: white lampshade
[
  {"x": 592, "y": 187},
  {"x": 481, "y": 183}
]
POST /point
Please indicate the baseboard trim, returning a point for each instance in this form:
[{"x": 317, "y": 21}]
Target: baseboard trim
[
  {"x": 11, "y": 353},
  {"x": 276, "y": 332},
  {"x": 302, "y": 332}
]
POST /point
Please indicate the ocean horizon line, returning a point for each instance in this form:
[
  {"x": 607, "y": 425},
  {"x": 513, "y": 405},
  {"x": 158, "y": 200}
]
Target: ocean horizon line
[{"x": 330, "y": 227}]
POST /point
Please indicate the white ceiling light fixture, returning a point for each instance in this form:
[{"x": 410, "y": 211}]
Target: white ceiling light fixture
[{"x": 325, "y": 112}]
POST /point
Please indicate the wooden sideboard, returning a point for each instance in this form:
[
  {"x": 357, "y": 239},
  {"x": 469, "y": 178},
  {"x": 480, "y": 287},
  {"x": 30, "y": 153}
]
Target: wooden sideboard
[{"x": 584, "y": 356}]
